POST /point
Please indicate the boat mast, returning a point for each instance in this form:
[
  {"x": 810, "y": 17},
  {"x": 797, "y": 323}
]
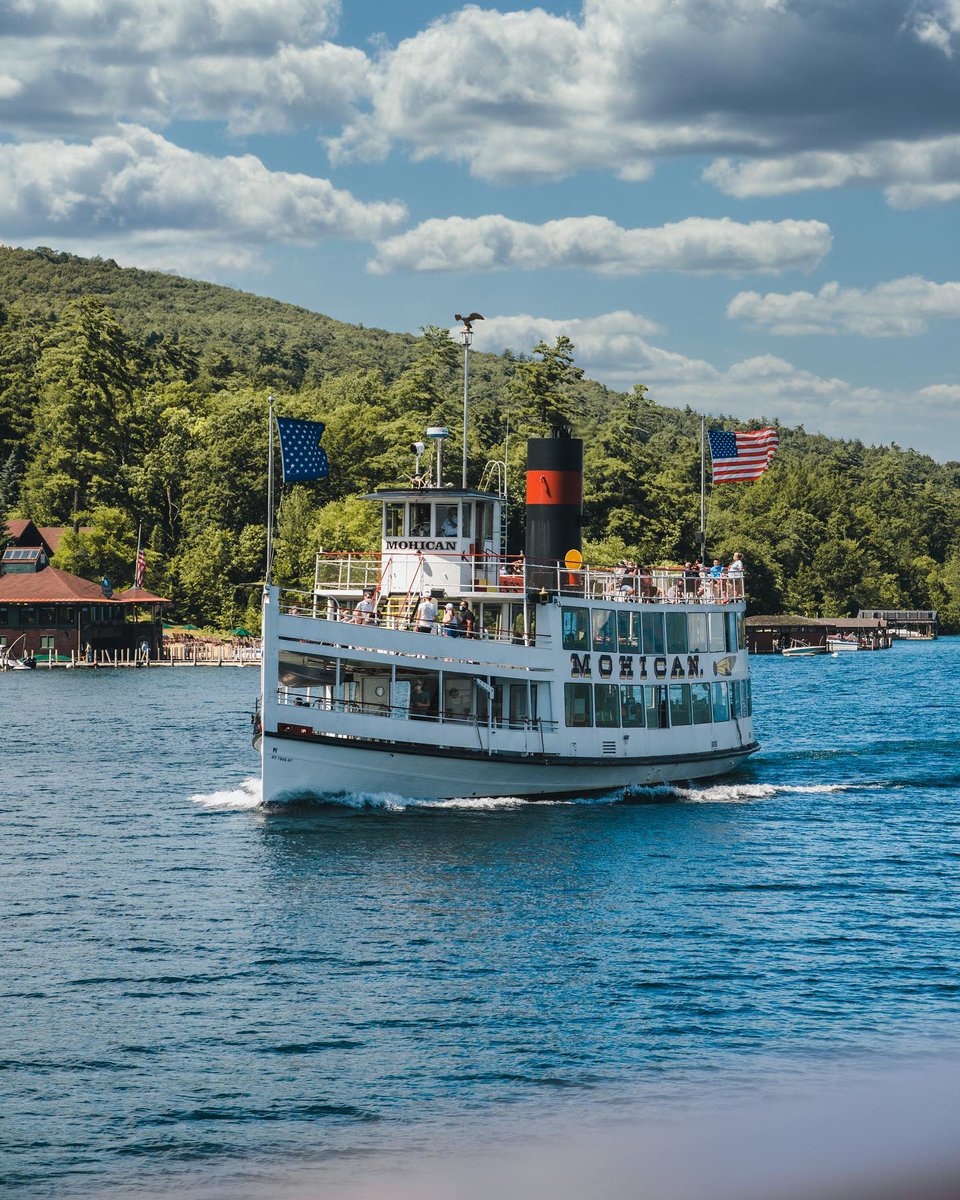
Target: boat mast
[{"x": 270, "y": 494}]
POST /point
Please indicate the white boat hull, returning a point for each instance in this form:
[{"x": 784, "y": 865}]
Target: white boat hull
[{"x": 298, "y": 769}]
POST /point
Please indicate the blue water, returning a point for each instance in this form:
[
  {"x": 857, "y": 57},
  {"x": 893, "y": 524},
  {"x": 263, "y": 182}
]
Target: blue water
[{"x": 198, "y": 993}]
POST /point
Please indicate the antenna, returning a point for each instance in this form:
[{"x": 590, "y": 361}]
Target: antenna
[{"x": 419, "y": 449}]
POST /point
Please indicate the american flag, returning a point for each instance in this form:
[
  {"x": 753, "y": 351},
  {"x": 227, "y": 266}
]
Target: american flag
[
  {"x": 140, "y": 571},
  {"x": 739, "y": 456}
]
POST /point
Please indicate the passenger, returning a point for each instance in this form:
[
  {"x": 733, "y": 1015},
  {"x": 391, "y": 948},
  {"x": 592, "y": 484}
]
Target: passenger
[
  {"x": 366, "y": 611},
  {"x": 735, "y": 576},
  {"x": 468, "y": 618},
  {"x": 451, "y": 622},
  {"x": 426, "y": 614},
  {"x": 419, "y": 702},
  {"x": 450, "y": 522}
]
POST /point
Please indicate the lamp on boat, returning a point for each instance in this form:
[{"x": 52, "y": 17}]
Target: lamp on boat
[{"x": 438, "y": 434}]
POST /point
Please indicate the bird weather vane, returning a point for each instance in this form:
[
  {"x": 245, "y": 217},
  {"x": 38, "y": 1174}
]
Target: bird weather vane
[{"x": 468, "y": 321}]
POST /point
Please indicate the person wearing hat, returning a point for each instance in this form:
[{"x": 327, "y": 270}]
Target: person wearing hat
[
  {"x": 366, "y": 611},
  {"x": 451, "y": 622},
  {"x": 426, "y": 614},
  {"x": 468, "y": 619}
]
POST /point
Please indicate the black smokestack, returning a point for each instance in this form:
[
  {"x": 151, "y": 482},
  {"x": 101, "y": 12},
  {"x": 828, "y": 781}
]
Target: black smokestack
[{"x": 554, "y": 505}]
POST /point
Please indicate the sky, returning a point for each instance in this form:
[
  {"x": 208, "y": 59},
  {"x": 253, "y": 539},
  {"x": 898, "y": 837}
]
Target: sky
[{"x": 750, "y": 206}]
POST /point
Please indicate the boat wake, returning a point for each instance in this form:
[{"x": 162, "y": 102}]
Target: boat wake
[{"x": 246, "y": 796}]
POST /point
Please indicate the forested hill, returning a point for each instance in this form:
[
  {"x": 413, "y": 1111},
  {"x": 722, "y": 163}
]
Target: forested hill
[{"x": 132, "y": 397}]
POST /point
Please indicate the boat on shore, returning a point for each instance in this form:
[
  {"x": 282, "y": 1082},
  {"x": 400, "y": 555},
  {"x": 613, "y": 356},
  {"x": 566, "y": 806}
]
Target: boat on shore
[{"x": 558, "y": 678}]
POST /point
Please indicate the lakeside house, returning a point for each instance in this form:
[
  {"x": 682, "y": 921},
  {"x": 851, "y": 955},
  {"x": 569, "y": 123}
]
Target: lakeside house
[{"x": 46, "y": 612}]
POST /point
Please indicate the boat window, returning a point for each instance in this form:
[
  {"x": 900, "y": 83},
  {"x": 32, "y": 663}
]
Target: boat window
[
  {"x": 420, "y": 520},
  {"x": 718, "y": 640},
  {"x": 657, "y": 714},
  {"x": 741, "y": 631},
  {"x": 748, "y": 697},
  {"x": 731, "y": 632},
  {"x": 576, "y": 635},
  {"x": 604, "y": 622},
  {"x": 631, "y": 706},
  {"x": 516, "y": 623},
  {"x": 653, "y": 633},
  {"x": 577, "y": 704},
  {"x": 700, "y": 703},
  {"x": 721, "y": 702},
  {"x": 679, "y": 703},
  {"x": 466, "y": 509},
  {"x": 736, "y": 701},
  {"x": 485, "y": 523},
  {"x": 697, "y": 631},
  {"x": 417, "y": 692},
  {"x": 458, "y": 697},
  {"x": 676, "y": 633},
  {"x": 448, "y": 520},
  {"x": 393, "y": 526},
  {"x": 607, "y": 705},
  {"x": 519, "y": 705},
  {"x": 491, "y": 616},
  {"x": 628, "y": 632}
]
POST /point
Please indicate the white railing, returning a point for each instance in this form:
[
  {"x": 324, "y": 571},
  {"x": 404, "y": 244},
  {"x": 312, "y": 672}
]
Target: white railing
[{"x": 481, "y": 574}]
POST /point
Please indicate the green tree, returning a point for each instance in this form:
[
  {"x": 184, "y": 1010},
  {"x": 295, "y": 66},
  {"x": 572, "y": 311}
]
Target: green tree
[{"x": 541, "y": 387}]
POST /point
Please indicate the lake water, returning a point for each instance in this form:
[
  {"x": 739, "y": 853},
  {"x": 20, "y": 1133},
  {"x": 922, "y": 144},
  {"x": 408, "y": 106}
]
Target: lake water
[{"x": 197, "y": 993}]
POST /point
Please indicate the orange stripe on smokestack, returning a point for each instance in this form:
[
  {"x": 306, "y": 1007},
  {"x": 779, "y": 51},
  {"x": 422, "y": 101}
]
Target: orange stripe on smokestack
[{"x": 554, "y": 487}]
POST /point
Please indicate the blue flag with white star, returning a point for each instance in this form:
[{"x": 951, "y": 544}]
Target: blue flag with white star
[{"x": 300, "y": 451}]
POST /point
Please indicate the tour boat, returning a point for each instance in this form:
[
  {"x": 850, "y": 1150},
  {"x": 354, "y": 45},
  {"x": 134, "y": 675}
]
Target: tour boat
[{"x": 566, "y": 680}]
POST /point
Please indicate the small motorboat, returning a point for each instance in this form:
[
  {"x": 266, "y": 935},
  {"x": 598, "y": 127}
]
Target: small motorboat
[
  {"x": 802, "y": 650},
  {"x": 842, "y": 642}
]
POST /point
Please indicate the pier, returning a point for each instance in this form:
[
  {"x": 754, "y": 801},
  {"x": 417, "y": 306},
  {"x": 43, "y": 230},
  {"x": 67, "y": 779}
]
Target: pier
[
  {"x": 912, "y": 623},
  {"x": 178, "y": 654},
  {"x": 771, "y": 634}
]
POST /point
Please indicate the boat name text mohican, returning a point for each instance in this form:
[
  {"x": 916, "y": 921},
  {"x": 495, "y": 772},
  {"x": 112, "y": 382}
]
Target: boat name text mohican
[{"x": 634, "y": 666}]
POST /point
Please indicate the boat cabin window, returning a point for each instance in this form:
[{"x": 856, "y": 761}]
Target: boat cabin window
[
  {"x": 657, "y": 714},
  {"x": 718, "y": 639},
  {"x": 721, "y": 702},
  {"x": 420, "y": 520},
  {"x": 577, "y": 704},
  {"x": 741, "y": 631},
  {"x": 467, "y": 510},
  {"x": 485, "y": 521},
  {"x": 604, "y": 622},
  {"x": 676, "y": 632},
  {"x": 458, "y": 697},
  {"x": 700, "y": 703},
  {"x": 652, "y": 625},
  {"x": 697, "y": 632},
  {"x": 731, "y": 639},
  {"x": 576, "y": 629},
  {"x": 631, "y": 706},
  {"x": 607, "y": 705},
  {"x": 448, "y": 520},
  {"x": 680, "y": 704},
  {"x": 394, "y": 525},
  {"x": 628, "y": 631},
  {"x": 491, "y": 619}
]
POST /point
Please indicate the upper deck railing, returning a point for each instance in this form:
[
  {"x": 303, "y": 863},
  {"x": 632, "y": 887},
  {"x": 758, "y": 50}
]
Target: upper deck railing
[{"x": 479, "y": 574}]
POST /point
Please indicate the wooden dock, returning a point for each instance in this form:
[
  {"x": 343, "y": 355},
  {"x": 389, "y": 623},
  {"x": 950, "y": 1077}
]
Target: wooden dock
[
  {"x": 769, "y": 635},
  {"x": 178, "y": 655}
]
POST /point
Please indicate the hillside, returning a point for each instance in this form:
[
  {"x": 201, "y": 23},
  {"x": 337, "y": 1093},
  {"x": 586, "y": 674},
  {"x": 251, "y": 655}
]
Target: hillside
[{"x": 131, "y": 397}]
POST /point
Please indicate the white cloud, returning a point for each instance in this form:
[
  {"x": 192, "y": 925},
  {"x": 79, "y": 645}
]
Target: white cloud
[
  {"x": 615, "y": 349},
  {"x": 522, "y": 96},
  {"x": 81, "y": 65},
  {"x": 136, "y": 187},
  {"x": 598, "y": 244},
  {"x": 897, "y": 308}
]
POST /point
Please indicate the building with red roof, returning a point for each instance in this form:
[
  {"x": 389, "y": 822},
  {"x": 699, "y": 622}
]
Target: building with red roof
[{"x": 45, "y": 611}]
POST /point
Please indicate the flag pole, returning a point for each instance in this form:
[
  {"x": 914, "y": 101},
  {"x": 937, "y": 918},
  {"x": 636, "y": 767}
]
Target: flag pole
[
  {"x": 703, "y": 489},
  {"x": 270, "y": 494}
]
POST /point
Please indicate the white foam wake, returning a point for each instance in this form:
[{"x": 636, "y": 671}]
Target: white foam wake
[
  {"x": 248, "y": 795},
  {"x": 739, "y": 793}
]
